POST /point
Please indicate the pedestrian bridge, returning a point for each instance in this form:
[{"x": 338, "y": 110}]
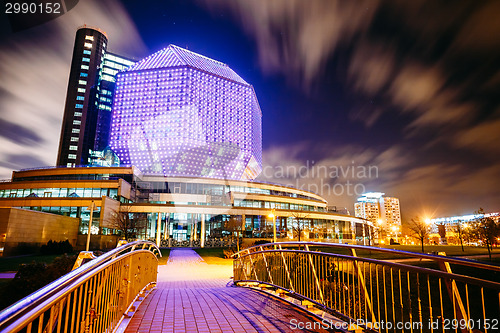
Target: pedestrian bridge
[{"x": 275, "y": 288}]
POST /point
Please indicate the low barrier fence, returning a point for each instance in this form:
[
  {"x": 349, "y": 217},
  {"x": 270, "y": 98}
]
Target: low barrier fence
[
  {"x": 379, "y": 295},
  {"x": 91, "y": 298}
]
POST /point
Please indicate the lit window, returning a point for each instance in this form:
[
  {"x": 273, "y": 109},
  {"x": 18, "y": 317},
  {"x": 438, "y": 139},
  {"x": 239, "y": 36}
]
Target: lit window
[
  {"x": 89, "y": 37},
  {"x": 82, "y": 82},
  {"x": 89, "y": 45},
  {"x": 84, "y": 67},
  {"x": 74, "y": 139},
  {"x": 69, "y": 165},
  {"x": 75, "y": 130},
  {"x": 72, "y": 156},
  {"x": 73, "y": 147},
  {"x": 87, "y": 52},
  {"x": 79, "y": 106},
  {"x": 81, "y": 90},
  {"x": 78, "y": 114},
  {"x": 77, "y": 122},
  {"x": 84, "y": 74},
  {"x": 80, "y": 98},
  {"x": 86, "y": 59}
]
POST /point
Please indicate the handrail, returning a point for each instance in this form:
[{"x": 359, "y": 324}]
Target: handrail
[
  {"x": 416, "y": 269},
  {"x": 15, "y": 316},
  {"x": 377, "y": 295},
  {"x": 434, "y": 257}
]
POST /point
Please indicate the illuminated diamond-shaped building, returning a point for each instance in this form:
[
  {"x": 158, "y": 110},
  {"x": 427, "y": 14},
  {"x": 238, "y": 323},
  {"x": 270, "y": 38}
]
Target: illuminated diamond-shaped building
[{"x": 178, "y": 113}]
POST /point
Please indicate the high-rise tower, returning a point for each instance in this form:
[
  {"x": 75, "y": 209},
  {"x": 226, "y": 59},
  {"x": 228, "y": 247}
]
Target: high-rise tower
[
  {"x": 87, "y": 114},
  {"x": 88, "y": 53}
]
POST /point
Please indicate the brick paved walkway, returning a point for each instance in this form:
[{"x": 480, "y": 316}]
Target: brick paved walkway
[{"x": 192, "y": 296}]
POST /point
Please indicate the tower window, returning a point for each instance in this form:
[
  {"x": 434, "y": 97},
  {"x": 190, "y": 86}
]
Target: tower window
[
  {"x": 89, "y": 45},
  {"x": 89, "y": 37}
]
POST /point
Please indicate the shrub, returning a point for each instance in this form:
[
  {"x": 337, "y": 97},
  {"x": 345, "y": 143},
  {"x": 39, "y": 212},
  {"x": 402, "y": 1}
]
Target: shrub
[
  {"x": 261, "y": 242},
  {"x": 31, "y": 277},
  {"x": 228, "y": 253},
  {"x": 53, "y": 247}
]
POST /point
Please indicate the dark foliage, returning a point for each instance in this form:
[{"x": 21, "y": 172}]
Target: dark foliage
[
  {"x": 53, "y": 247},
  {"x": 31, "y": 277}
]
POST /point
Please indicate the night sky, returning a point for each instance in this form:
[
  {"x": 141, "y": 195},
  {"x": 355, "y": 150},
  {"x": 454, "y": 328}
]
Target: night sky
[{"x": 408, "y": 90}]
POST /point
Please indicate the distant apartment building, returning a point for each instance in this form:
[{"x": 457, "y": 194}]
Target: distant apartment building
[{"x": 381, "y": 210}]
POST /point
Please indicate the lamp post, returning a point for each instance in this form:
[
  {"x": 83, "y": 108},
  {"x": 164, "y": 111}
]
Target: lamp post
[
  {"x": 273, "y": 216},
  {"x": 380, "y": 222},
  {"x": 91, "y": 207},
  {"x": 395, "y": 230}
]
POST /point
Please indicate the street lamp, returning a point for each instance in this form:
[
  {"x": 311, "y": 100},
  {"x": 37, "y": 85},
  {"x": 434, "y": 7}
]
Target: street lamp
[
  {"x": 395, "y": 230},
  {"x": 273, "y": 216},
  {"x": 91, "y": 207}
]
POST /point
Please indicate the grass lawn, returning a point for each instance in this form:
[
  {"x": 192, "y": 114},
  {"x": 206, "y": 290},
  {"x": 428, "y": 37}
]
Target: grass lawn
[
  {"x": 450, "y": 250},
  {"x": 11, "y": 264},
  {"x": 164, "y": 256},
  {"x": 214, "y": 256}
]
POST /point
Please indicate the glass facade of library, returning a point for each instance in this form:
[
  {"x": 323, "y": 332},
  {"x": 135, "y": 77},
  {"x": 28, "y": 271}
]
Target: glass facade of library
[{"x": 187, "y": 209}]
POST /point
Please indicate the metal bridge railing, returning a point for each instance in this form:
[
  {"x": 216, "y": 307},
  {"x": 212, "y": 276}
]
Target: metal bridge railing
[
  {"x": 91, "y": 298},
  {"x": 378, "y": 295}
]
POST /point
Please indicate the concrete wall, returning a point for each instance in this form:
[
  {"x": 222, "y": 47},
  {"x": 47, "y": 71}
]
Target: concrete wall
[
  {"x": 28, "y": 228},
  {"x": 97, "y": 242}
]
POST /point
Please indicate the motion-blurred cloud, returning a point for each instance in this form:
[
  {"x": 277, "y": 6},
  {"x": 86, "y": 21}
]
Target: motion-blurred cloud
[{"x": 34, "y": 66}]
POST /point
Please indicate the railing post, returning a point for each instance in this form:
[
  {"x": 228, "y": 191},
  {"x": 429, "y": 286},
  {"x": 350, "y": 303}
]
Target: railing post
[
  {"x": 286, "y": 269},
  {"x": 361, "y": 278},
  {"x": 454, "y": 294},
  {"x": 315, "y": 274},
  {"x": 267, "y": 266},
  {"x": 253, "y": 266}
]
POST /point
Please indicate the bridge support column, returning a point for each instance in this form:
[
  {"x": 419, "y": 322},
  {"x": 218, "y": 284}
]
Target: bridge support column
[
  {"x": 167, "y": 229},
  {"x": 158, "y": 230},
  {"x": 195, "y": 230},
  {"x": 202, "y": 231},
  {"x": 364, "y": 235}
]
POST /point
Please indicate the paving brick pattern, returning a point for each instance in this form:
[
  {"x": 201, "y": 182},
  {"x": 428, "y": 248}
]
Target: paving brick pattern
[{"x": 192, "y": 296}]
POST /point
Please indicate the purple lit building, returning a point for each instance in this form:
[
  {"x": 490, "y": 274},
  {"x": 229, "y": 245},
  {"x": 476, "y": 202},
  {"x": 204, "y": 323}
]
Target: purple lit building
[{"x": 178, "y": 113}]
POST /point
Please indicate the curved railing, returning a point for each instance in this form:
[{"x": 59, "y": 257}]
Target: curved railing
[
  {"x": 91, "y": 298},
  {"x": 378, "y": 295}
]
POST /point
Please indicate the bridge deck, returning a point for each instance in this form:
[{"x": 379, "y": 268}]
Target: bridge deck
[{"x": 193, "y": 296}]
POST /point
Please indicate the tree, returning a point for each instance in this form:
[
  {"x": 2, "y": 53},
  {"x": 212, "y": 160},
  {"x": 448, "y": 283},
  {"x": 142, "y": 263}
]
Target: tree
[
  {"x": 234, "y": 226},
  {"x": 485, "y": 229},
  {"x": 460, "y": 233},
  {"x": 129, "y": 225},
  {"x": 419, "y": 229},
  {"x": 299, "y": 227}
]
